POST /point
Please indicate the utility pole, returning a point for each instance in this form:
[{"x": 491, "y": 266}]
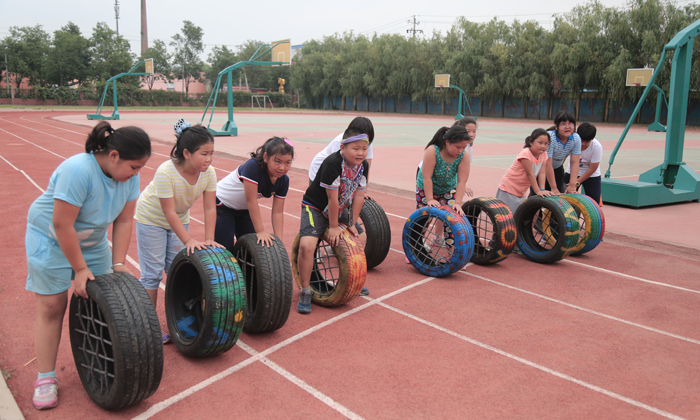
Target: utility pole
[
  {"x": 7, "y": 75},
  {"x": 414, "y": 30},
  {"x": 144, "y": 28},
  {"x": 116, "y": 14}
]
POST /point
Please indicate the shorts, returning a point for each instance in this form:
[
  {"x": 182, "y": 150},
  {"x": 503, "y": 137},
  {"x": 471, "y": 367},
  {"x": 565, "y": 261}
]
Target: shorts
[
  {"x": 157, "y": 248},
  {"x": 510, "y": 200},
  {"x": 314, "y": 223},
  {"x": 48, "y": 270},
  {"x": 446, "y": 199}
]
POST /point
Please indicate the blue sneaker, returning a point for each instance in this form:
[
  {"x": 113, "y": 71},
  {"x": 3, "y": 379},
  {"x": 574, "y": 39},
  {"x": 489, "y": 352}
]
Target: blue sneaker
[
  {"x": 364, "y": 292},
  {"x": 304, "y": 305}
]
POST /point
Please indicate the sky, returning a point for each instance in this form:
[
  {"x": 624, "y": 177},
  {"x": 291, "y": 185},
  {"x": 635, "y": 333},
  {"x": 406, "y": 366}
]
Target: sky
[{"x": 231, "y": 22}]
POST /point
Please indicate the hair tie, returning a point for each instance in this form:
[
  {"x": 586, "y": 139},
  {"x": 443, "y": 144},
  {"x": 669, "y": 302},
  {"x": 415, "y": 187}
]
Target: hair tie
[
  {"x": 289, "y": 142},
  {"x": 180, "y": 125},
  {"x": 359, "y": 137}
]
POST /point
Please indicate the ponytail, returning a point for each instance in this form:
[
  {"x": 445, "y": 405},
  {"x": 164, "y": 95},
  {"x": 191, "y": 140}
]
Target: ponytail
[
  {"x": 132, "y": 143},
  {"x": 454, "y": 134}
]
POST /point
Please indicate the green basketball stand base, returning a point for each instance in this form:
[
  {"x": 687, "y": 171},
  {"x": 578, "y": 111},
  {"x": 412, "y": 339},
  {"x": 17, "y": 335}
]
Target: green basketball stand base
[
  {"x": 229, "y": 129},
  {"x": 114, "y": 116}
]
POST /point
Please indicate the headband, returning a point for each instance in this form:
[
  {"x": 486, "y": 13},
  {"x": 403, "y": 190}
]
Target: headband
[
  {"x": 359, "y": 137},
  {"x": 289, "y": 142},
  {"x": 179, "y": 126}
]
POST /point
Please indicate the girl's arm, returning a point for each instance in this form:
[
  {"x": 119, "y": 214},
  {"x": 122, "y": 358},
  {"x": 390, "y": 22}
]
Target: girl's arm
[
  {"x": 527, "y": 166},
  {"x": 121, "y": 237},
  {"x": 369, "y": 166},
  {"x": 550, "y": 176},
  {"x": 278, "y": 217},
  {"x": 575, "y": 159},
  {"x": 333, "y": 210},
  {"x": 429, "y": 161},
  {"x": 64, "y": 216},
  {"x": 209, "y": 202},
  {"x": 251, "y": 198},
  {"x": 168, "y": 206},
  {"x": 462, "y": 177},
  {"x": 541, "y": 178}
]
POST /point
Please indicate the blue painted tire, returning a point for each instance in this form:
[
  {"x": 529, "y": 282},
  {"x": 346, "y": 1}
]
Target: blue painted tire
[
  {"x": 432, "y": 260},
  {"x": 205, "y": 301}
]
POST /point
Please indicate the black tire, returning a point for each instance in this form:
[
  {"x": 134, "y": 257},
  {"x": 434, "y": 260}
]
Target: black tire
[
  {"x": 339, "y": 272},
  {"x": 116, "y": 341},
  {"x": 548, "y": 228},
  {"x": 205, "y": 302},
  {"x": 495, "y": 234},
  {"x": 376, "y": 224},
  {"x": 268, "y": 283}
]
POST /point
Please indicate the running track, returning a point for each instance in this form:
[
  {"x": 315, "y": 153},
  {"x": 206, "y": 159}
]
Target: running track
[{"x": 612, "y": 334}]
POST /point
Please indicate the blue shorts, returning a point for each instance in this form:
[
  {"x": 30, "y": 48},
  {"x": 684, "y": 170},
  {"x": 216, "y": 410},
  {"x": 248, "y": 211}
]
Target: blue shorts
[
  {"x": 48, "y": 270},
  {"x": 157, "y": 248}
]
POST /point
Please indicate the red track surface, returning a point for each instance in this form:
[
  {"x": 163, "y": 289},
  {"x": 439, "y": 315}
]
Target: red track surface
[{"x": 608, "y": 335}]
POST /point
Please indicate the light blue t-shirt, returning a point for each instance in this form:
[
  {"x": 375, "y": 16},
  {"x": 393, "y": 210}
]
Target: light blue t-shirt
[
  {"x": 559, "y": 152},
  {"x": 79, "y": 181}
]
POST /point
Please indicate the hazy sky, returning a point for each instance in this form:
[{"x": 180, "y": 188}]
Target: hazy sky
[{"x": 233, "y": 22}]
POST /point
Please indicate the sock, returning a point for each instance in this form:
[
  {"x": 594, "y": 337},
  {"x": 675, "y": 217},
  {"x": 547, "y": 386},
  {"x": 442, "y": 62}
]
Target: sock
[
  {"x": 51, "y": 374},
  {"x": 306, "y": 290}
]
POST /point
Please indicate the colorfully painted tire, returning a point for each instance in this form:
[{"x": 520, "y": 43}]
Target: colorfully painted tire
[
  {"x": 597, "y": 221},
  {"x": 548, "y": 228},
  {"x": 339, "y": 271},
  {"x": 116, "y": 341},
  {"x": 494, "y": 229},
  {"x": 420, "y": 243},
  {"x": 376, "y": 225},
  {"x": 268, "y": 283},
  {"x": 589, "y": 222},
  {"x": 205, "y": 302}
]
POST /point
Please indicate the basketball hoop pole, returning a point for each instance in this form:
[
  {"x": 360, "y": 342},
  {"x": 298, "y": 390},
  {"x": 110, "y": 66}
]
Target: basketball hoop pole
[
  {"x": 462, "y": 100},
  {"x": 113, "y": 79},
  {"x": 672, "y": 181},
  {"x": 230, "y": 128}
]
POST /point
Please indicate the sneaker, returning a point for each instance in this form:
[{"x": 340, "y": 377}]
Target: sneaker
[
  {"x": 45, "y": 393},
  {"x": 407, "y": 261},
  {"x": 167, "y": 339},
  {"x": 364, "y": 292},
  {"x": 517, "y": 250},
  {"x": 304, "y": 305}
]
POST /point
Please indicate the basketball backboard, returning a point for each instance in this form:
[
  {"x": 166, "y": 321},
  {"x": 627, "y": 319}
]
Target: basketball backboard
[
  {"x": 282, "y": 51},
  {"x": 442, "y": 80},
  {"x": 639, "y": 77},
  {"x": 149, "y": 66}
]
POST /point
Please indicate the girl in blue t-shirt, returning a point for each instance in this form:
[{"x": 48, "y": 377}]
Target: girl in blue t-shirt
[
  {"x": 265, "y": 174},
  {"x": 67, "y": 234}
]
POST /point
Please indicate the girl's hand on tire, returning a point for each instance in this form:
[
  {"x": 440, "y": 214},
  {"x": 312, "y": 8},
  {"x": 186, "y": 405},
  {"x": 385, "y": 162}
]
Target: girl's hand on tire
[
  {"x": 545, "y": 193},
  {"x": 458, "y": 209},
  {"x": 81, "y": 279},
  {"x": 334, "y": 235},
  {"x": 433, "y": 203},
  {"x": 265, "y": 239},
  {"x": 213, "y": 244},
  {"x": 193, "y": 244},
  {"x": 121, "y": 269}
]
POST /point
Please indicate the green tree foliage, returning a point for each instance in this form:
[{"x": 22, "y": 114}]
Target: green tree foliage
[
  {"x": 162, "y": 70},
  {"x": 188, "y": 46},
  {"x": 110, "y": 53},
  {"x": 69, "y": 57},
  {"x": 27, "y": 50}
]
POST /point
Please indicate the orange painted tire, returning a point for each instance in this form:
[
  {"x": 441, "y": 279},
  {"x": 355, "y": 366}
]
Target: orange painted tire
[{"x": 339, "y": 272}]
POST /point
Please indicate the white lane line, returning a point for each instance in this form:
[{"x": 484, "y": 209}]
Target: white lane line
[
  {"x": 301, "y": 384},
  {"x": 156, "y": 408},
  {"x": 535, "y": 365},
  {"x": 590, "y": 311},
  {"x": 34, "y": 144},
  {"x": 631, "y": 277},
  {"x": 23, "y": 173}
]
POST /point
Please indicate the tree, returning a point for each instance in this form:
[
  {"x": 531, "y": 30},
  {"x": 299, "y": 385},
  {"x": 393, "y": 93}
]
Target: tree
[
  {"x": 111, "y": 53},
  {"x": 69, "y": 56},
  {"x": 188, "y": 47},
  {"x": 219, "y": 59},
  {"x": 27, "y": 50},
  {"x": 161, "y": 62}
]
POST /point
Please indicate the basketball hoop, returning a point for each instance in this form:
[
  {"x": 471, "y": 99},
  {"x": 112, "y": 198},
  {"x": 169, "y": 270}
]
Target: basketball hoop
[
  {"x": 439, "y": 88},
  {"x": 637, "y": 84}
]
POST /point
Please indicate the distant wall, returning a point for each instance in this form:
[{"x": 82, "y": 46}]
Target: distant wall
[{"x": 585, "y": 109}]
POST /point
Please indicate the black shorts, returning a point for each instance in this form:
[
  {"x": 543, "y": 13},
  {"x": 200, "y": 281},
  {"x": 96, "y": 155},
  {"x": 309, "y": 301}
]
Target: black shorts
[{"x": 314, "y": 223}]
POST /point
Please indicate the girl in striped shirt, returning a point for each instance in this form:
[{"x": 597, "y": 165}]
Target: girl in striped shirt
[{"x": 163, "y": 210}]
